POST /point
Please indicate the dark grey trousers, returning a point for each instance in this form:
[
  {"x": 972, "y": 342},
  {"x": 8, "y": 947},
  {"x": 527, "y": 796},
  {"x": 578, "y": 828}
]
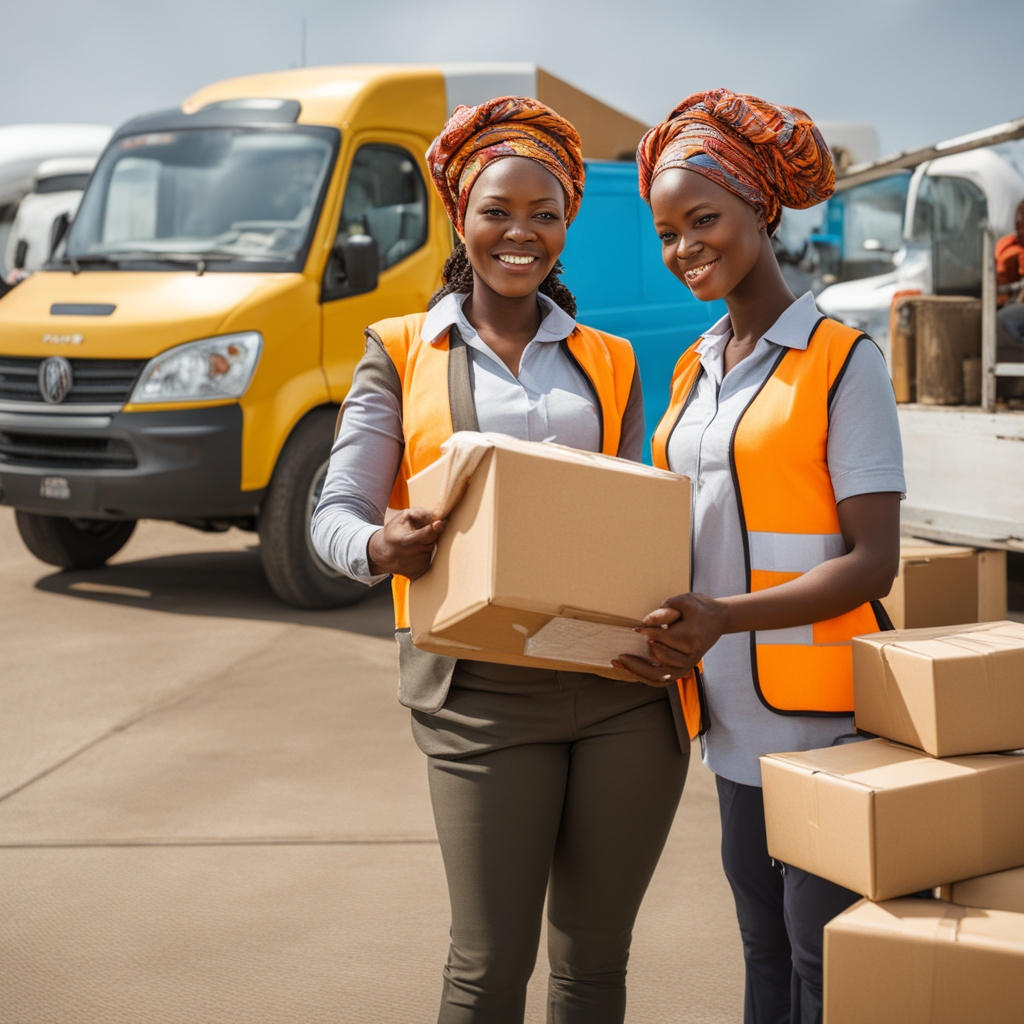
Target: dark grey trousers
[
  {"x": 547, "y": 783},
  {"x": 782, "y": 913}
]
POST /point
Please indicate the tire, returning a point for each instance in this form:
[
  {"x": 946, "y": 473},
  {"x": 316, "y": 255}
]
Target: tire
[
  {"x": 296, "y": 573},
  {"x": 73, "y": 543}
]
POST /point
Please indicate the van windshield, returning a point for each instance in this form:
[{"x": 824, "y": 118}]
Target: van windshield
[{"x": 239, "y": 198}]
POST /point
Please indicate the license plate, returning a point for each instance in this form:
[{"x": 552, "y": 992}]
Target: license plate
[{"x": 55, "y": 487}]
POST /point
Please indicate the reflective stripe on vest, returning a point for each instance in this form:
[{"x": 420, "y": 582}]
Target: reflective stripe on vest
[
  {"x": 788, "y": 515},
  {"x": 606, "y": 361}
]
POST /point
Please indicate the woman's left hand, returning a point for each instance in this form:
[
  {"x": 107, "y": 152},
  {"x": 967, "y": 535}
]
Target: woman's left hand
[{"x": 679, "y": 634}]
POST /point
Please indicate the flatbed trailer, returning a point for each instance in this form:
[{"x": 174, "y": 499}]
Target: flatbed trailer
[{"x": 965, "y": 475}]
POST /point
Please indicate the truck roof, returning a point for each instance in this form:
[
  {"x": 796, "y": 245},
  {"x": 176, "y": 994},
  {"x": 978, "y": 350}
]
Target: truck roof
[
  {"x": 418, "y": 96},
  {"x": 24, "y": 146},
  {"x": 859, "y": 174}
]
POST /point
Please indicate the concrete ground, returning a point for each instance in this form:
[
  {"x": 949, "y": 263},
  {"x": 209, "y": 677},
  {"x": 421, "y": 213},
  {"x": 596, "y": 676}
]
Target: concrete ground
[{"x": 212, "y": 811}]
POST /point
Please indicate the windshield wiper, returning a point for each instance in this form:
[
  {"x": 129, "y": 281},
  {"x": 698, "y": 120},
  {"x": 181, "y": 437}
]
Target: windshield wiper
[
  {"x": 198, "y": 259},
  {"x": 89, "y": 260}
]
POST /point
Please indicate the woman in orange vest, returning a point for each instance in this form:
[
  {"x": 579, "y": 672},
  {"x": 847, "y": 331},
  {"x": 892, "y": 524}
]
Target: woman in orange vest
[
  {"x": 542, "y": 782},
  {"x": 785, "y": 422}
]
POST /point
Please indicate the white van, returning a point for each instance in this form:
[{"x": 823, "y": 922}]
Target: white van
[
  {"x": 23, "y": 147},
  {"x": 56, "y": 190}
]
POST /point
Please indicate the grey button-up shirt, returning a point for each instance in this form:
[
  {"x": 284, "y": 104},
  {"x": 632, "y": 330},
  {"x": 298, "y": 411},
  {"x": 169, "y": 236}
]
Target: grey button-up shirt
[
  {"x": 864, "y": 455},
  {"x": 550, "y": 399}
]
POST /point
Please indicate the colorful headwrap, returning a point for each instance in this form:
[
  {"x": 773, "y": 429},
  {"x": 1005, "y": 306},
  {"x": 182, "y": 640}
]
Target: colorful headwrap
[
  {"x": 770, "y": 156},
  {"x": 506, "y": 126}
]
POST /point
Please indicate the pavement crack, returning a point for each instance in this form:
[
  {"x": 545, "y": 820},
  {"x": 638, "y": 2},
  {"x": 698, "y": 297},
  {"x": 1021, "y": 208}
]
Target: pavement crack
[
  {"x": 170, "y": 701},
  {"x": 62, "y": 844}
]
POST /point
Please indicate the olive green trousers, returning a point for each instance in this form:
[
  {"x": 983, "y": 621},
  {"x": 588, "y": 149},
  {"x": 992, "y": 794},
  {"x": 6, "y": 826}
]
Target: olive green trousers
[{"x": 556, "y": 784}]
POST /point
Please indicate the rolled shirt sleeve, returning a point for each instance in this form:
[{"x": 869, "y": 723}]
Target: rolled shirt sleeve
[
  {"x": 363, "y": 467},
  {"x": 631, "y": 440},
  {"x": 865, "y": 452}
]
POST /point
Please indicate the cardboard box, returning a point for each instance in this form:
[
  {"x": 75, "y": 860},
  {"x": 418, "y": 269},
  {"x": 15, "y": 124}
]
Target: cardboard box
[
  {"x": 946, "y": 691},
  {"x": 915, "y": 961},
  {"x": 547, "y": 536},
  {"x": 942, "y": 585},
  {"x": 1003, "y": 890},
  {"x": 884, "y": 820}
]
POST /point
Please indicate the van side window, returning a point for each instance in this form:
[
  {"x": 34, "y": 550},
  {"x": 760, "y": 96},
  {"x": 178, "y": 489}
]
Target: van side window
[
  {"x": 386, "y": 198},
  {"x": 958, "y": 211}
]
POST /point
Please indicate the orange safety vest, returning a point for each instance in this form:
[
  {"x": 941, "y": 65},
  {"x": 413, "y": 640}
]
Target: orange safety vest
[
  {"x": 788, "y": 516},
  {"x": 605, "y": 360}
]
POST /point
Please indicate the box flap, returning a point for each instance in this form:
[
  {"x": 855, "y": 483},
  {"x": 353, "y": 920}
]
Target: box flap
[
  {"x": 979, "y": 632},
  {"x": 849, "y": 760},
  {"x": 914, "y": 550},
  {"x": 934, "y": 921},
  {"x": 1002, "y": 890}
]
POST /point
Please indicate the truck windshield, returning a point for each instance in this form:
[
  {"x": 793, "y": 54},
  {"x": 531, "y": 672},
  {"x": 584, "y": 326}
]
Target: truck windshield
[
  {"x": 865, "y": 223},
  {"x": 240, "y": 198}
]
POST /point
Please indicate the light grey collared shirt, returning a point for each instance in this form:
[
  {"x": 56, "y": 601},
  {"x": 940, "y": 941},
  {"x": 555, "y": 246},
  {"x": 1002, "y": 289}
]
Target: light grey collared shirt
[
  {"x": 864, "y": 456},
  {"x": 550, "y": 399}
]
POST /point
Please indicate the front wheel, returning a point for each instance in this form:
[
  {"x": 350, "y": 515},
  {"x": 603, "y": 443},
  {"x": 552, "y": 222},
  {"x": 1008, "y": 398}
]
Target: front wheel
[
  {"x": 296, "y": 573},
  {"x": 73, "y": 543}
]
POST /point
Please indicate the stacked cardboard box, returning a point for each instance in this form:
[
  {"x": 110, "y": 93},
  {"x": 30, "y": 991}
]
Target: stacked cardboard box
[
  {"x": 943, "y": 585},
  {"x": 936, "y": 799},
  {"x": 910, "y": 961}
]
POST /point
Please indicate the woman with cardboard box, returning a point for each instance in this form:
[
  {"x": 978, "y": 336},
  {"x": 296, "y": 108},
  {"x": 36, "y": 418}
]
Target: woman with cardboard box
[
  {"x": 542, "y": 782},
  {"x": 786, "y": 423}
]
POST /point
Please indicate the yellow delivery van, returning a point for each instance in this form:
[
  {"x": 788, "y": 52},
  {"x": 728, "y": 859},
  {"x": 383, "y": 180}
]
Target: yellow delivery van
[{"x": 184, "y": 353}]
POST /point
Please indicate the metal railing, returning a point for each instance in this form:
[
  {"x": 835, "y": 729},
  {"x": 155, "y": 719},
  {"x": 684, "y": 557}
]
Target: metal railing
[{"x": 991, "y": 368}]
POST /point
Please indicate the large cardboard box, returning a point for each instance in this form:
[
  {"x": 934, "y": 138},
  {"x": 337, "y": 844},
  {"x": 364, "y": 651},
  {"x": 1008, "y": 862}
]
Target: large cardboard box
[
  {"x": 885, "y": 820},
  {"x": 547, "y": 536},
  {"x": 915, "y": 961},
  {"x": 945, "y": 691},
  {"x": 1003, "y": 890},
  {"x": 942, "y": 585}
]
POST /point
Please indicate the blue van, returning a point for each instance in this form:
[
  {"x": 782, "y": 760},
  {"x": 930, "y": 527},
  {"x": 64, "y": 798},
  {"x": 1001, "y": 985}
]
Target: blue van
[{"x": 613, "y": 266}]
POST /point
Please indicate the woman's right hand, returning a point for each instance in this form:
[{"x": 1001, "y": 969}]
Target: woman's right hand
[{"x": 405, "y": 547}]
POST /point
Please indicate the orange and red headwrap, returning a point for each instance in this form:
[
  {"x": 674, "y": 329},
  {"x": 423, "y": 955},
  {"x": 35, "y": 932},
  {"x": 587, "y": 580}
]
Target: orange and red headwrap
[
  {"x": 505, "y": 126},
  {"x": 770, "y": 156}
]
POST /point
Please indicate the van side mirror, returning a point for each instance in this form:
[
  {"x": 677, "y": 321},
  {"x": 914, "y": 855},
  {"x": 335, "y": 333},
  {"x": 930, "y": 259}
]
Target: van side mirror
[
  {"x": 59, "y": 229},
  {"x": 360, "y": 261},
  {"x": 874, "y": 245}
]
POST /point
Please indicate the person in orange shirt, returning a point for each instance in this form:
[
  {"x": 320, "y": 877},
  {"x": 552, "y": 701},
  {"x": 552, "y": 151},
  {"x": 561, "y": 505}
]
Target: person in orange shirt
[{"x": 1009, "y": 279}]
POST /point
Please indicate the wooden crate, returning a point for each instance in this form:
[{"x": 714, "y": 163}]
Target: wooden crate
[{"x": 947, "y": 330}]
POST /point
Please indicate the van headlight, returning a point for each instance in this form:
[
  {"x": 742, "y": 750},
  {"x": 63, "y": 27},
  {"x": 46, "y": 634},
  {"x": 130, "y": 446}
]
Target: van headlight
[{"x": 200, "y": 370}]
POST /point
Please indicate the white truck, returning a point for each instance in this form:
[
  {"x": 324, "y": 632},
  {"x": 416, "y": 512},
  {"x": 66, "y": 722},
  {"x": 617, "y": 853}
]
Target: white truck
[
  {"x": 57, "y": 189},
  {"x": 23, "y": 147},
  {"x": 927, "y": 221}
]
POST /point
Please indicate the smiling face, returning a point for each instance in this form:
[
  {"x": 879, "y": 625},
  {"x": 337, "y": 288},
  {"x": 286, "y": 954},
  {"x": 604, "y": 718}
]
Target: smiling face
[
  {"x": 515, "y": 225},
  {"x": 710, "y": 238}
]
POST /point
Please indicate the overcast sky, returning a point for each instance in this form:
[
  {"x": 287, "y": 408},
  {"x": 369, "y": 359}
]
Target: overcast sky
[{"x": 919, "y": 70}]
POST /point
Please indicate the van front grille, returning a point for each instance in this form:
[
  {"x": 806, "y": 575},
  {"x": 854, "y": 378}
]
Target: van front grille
[
  {"x": 93, "y": 381},
  {"x": 49, "y": 451}
]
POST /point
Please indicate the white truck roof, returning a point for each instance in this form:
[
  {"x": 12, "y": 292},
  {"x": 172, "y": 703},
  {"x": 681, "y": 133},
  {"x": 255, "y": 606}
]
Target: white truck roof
[
  {"x": 997, "y": 178},
  {"x": 61, "y": 166},
  {"x": 23, "y": 147}
]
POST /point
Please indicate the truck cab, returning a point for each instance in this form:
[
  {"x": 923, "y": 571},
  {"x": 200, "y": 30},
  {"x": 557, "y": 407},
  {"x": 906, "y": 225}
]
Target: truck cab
[
  {"x": 184, "y": 353},
  {"x": 23, "y": 148},
  {"x": 915, "y": 230},
  {"x": 57, "y": 188}
]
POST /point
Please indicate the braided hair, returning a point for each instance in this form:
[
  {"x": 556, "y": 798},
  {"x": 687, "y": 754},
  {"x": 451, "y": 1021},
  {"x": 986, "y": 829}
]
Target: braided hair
[{"x": 457, "y": 275}]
